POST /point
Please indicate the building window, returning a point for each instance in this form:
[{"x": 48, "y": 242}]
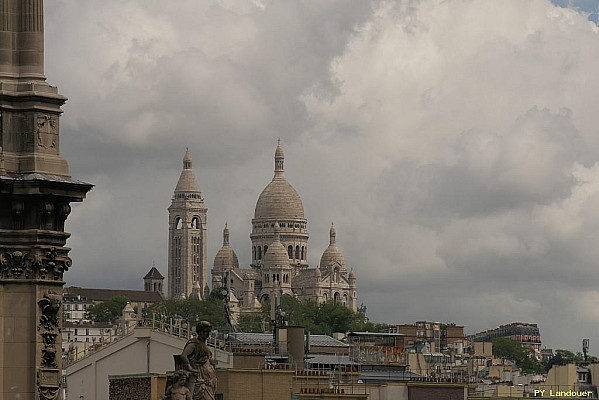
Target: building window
[
  {"x": 178, "y": 223},
  {"x": 290, "y": 251},
  {"x": 195, "y": 223}
]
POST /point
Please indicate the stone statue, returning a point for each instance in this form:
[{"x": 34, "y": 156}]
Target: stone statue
[
  {"x": 194, "y": 363},
  {"x": 179, "y": 390}
]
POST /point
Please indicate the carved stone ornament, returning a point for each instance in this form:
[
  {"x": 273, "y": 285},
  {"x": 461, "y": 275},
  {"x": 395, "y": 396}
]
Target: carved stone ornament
[
  {"x": 48, "y": 265},
  {"x": 49, "y": 358},
  {"x": 16, "y": 264},
  {"x": 48, "y": 383},
  {"x": 48, "y": 376},
  {"x": 47, "y": 131},
  {"x": 49, "y": 339},
  {"x": 50, "y": 305}
]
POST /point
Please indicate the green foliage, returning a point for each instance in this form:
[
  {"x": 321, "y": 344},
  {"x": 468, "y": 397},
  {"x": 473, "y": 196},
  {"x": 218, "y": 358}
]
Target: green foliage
[
  {"x": 563, "y": 357},
  {"x": 324, "y": 318},
  {"x": 193, "y": 311},
  {"x": 254, "y": 322},
  {"x": 514, "y": 350},
  {"x": 107, "y": 311}
]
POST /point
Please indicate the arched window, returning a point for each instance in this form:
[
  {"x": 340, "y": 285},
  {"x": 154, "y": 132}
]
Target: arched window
[
  {"x": 337, "y": 297},
  {"x": 195, "y": 223},
  {"x": 259, "y": 253},
  {"x": 290, "y": 251},
  {"x": 265, "y": 248},
  {"x": 345, "y": 299},
  {"x": 178, "y": 223},
  {"x": 297, "y": 252},
  {"x": 254, "y": 252},
  {"x": 303, "y": 253},
  {"x": 324, "y": 297}
]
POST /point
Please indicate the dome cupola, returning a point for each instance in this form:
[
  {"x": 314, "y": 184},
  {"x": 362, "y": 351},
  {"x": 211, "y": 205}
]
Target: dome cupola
[
  {"x": 279, "y": 200},
  {"x": 332, "y": 255},
  {"x": 187, "y": 184},
  {"x": 225, "y": 259},
  {"x": 276, "y": 256}
]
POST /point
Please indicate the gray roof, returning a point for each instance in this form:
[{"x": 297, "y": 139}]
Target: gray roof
[
  {"x": 154, "y": 274},
  {"x": 70, "y": 324},
  {"x": 386, "y": 373},
  {"x": 136, "y": 296},
  {"x": 380, "y": 334},
  {"x": 329, "y": 359},
  {"x": 326, "y": 341},
  {"x": 266, "y": 338}
]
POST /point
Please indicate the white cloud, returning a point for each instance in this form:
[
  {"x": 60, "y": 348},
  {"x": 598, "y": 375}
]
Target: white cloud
[{"x": 454, "y": 143}]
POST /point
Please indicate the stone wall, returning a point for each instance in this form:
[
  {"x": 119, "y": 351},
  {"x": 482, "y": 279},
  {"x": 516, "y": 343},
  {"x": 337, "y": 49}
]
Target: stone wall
[{"x": 138, "y": 387}]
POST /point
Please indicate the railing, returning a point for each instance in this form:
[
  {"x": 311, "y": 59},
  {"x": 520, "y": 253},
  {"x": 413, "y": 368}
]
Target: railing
[
  {"x": 75, "y": 354},
  {"x": 339, "y": 381},
  {"x": 162, "y": 323}
]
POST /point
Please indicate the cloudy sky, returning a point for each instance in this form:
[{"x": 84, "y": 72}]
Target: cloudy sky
[{"x": 455, "y": 143}]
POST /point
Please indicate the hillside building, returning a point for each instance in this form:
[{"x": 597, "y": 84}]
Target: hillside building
[{"x": 279, "y": 247}]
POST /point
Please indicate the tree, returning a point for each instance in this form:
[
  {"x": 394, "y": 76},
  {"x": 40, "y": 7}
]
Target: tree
[
  {"x": 323, "y": 318},
  {"x": 563, "y": 357},
  {"x": 192, "y": 311},
  {"x": 107, "y": 311},
  {"x": 254, "y": 322},
  {"x": 514, "y": 350}
]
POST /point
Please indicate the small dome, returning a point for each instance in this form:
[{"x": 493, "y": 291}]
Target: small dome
[
  {"x": 187, "y": 181},
  {"x": 279, "y": 151},
  {"x": 352, "y": 275},
  {"x": 225, "y": 259},
  {"x": 317, "y": 272},
  {"x": 279, "y": 200},
  {"x": 332, "y": 255},
  {"x": 276, "y": 255}
]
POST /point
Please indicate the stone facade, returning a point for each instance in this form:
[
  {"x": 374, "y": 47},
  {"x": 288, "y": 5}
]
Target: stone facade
[
  {"x": 35, "y": 195},
  {"x": 187, "y": 259},
  {"x": 279, "y": 248}
]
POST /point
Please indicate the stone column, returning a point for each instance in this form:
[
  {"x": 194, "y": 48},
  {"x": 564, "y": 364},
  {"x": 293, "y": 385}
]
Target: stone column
[
  {"x": 35, "y": 195},
  {"x": 7, "y": 69},
  {"x": 30, "y": 39}
]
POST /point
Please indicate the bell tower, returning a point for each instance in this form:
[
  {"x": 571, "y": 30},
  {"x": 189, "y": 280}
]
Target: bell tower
[
  {"x": 35, "y": 195},
  {"x": 187, "y": 260}
]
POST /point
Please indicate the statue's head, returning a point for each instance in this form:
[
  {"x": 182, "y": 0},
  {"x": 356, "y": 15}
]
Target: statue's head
[{"x": 203, "y": 329}]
